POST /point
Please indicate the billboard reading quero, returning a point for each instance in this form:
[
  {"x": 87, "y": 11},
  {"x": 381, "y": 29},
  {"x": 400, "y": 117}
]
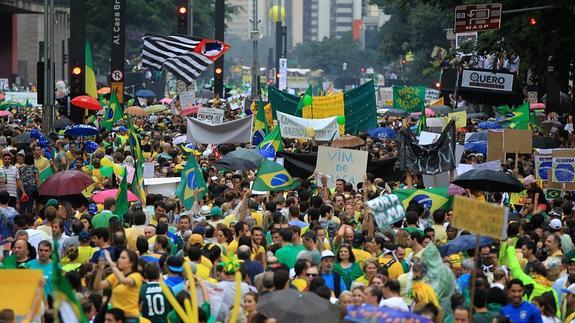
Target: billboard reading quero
[{"x": 487, "y": 80}]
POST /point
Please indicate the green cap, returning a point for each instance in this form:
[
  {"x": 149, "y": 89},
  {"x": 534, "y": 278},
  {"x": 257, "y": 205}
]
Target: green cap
[{"x": 52, "y": 202}]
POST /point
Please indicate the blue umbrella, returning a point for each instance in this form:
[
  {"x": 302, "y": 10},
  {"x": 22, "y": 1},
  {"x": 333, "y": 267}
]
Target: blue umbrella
[
  {"x": 381, "y": 133},
  {"x": 81, "y": 130},
  {"x": 489, "y": 125},
  {"x": 145, "y": 93},
  {"x": 477, "y": 136},
  {"x": 463, "y": 243},
  {"x": 370, "y": 314},
  {"x": 477, "y": 147}
]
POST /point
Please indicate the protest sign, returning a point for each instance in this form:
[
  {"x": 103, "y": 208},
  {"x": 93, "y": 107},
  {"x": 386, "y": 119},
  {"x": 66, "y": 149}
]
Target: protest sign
[
  {"x": 486, "y": 219},
  {"x": 563, "y": 166},
  {"x": 431, "y": 95},
  {"x": 211, "y": 115},
  {"x": 552, "y": 193},
  {"x": 542, "y": 166},
  {"x": 460, "y": 118},
  {"x": 409, "y": 98},
  {"x": 326, "y": 107},
  {"x": 18, "y": 289},
  {"x": 515, "y": 141},
  {"x": 439, "y": 180},
  {"x": 293, "y": 127},
  {"x": 387, "y": 209},
  {"x": 495, "y": 145},
  {"x": 187, "y": 98},
  {"x": 349, "y": 165},
  {"x": 22, "y": 97}
]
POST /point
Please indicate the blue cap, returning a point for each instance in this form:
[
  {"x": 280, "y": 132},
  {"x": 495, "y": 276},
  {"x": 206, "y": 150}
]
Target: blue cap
[
  {"x": 92, "y": 209},
  {"x": 199, "y": 230},
  {"x": 122, "y": 128}
]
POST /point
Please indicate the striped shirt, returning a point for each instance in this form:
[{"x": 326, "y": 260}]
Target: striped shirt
[{"x": 11, "y": 175}]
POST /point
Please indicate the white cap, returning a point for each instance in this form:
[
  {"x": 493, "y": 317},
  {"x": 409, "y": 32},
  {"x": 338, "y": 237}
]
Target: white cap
[
  {"x": 555, "y": 224},
  {"x": 205, "y": 210},
  {"x": 327, "y": 253}
]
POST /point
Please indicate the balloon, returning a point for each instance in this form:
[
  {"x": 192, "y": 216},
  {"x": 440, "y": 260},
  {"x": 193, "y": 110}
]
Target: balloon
[
  {"x": 90, "y": 147},
  {"x": 310, "y": 132},
  {"x": 118, "y": 170},
  {"x": 106, "y": 171},
  {"x": 341, "y": 120},
  {"x": 105, "y": 162},
  {"x": 307, "y": 100},
  {"x": 277, "y": 13}
]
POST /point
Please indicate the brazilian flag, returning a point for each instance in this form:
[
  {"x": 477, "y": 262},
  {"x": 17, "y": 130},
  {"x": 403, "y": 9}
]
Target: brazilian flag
[
  {"x": 272, "y": 176},
  {"x": 65, "y": 301},
  {"x": 515, "y": 118},
  {"x": 260, "y": 126},
  {"x": 272, "y": 142},
  {"x": 192, "y": 179},
  {"x": 122, "y": 205},
  {"x": 113, "y": 113},
  {"x": 136, "y": 149},
  {"x": 431, "y": 198}
]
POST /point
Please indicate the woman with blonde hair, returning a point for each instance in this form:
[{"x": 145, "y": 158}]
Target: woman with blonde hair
[{"x": 370, "y": 269}]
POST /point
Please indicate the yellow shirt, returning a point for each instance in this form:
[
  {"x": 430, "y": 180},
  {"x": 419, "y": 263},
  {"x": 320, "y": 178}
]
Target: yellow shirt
[
  {"x": 85, "y": 253},
  {"x": 132, "y": 235},
  {"x": 395, "y": 270},
  {"x": 233, "y": 247},
  {"x": 300, "y": 284},
  {"x": 362, "y": 280},
  {"x": 261, "y": 249},
  {"x": 257, "y": 217},
  {"x": 126, "y": 297},
  {"x": 41, "y": 163},
  {"x": 361, "y": 256},
  {"x": 204, "y": 261}
]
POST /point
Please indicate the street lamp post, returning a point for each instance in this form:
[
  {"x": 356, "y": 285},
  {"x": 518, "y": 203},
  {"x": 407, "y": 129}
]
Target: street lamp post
[{"x": 255, "y": 35}]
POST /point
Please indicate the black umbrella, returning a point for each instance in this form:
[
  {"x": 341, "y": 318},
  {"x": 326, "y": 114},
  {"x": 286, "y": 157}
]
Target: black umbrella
[
  {"x": 395, "y": 113},
  {"x": 240, "y": 159},
  {"x": 489, "y": 181},
  {"x": 463, "y": 243},
  {"x": 290, "y": 305},
  {"x": 546, "y": 142},
  {"x": 23, "y": 138},
  {"x": 548, "y": 124},
  {"x": 62, "y": 123}
]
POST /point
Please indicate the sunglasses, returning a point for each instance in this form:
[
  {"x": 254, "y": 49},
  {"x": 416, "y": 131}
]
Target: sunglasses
[{"x": 312, "y": 275}]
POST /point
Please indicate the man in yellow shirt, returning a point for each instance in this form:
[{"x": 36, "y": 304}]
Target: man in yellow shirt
[{"x": 40, "y": 161}]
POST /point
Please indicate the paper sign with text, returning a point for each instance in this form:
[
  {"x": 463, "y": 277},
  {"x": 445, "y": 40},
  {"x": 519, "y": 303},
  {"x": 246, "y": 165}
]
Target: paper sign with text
[
  {"x": 387, "y": 209},
  {"x": 542, "y": 166},
  {"x": 486, "y": 219},
  {"x": 293, "y": 127},
  {"x": 349, "y": 165},
  {"x": 211, "y": 115}
]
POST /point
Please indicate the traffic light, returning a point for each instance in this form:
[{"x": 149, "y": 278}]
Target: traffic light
[
  {"x": 437, "y": 85},
  {"x": 77, "y": 81},
  {"x": 218, "y": 70},
  {"x": 532, "y": 21},
  {"x": 182, "y": 13}
]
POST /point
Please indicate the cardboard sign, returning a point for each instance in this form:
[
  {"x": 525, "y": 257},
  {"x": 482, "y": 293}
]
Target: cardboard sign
[
  {"x": 563, "y": 166},
  {"x": 187, "y": 99},
  {"x": 543, "y": 164},
  {"x": 387, "y": 209},
  {"x": 460, "y": 118},
  {"x": 495, "y": 146},
  {"x": 211, "y": 115},
  {"x": 517, "y": 141},
  {"x": 486, "y": 219},
  {"x": 349, "y": 165}
]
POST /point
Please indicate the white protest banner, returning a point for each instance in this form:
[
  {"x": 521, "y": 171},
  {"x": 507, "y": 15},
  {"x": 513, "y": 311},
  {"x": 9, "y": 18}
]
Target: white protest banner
[
  {"x": 22, "y": 97},
  {"x": 542, "y": 165},
  {"x": 387, "y": 209},
  {"x": 187, "y": 99},
  {"x": 349, "y": 165},
  {"x": 293, "y": 127},
  {"x": 492, "y": 165},
  {"x": 211, "y": 115}
]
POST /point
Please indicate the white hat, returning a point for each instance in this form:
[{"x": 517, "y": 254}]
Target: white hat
[
  {"x": 205, "y": 210},
  {"x": 555, "y": 224},
  {"x": 327, "y": 253}
]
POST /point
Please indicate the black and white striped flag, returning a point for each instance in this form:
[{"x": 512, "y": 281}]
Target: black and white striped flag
[{"x": 186, "y": 57}]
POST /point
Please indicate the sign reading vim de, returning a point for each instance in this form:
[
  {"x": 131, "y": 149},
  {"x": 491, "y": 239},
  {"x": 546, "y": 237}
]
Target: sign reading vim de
[{"x": 480, "y": 17}]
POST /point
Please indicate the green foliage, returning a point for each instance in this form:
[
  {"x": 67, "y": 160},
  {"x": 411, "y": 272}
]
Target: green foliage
[{"x": 330, "y": 54}]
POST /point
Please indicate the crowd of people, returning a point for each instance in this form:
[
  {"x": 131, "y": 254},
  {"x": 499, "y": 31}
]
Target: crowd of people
[{"x": 312, "y": 239}]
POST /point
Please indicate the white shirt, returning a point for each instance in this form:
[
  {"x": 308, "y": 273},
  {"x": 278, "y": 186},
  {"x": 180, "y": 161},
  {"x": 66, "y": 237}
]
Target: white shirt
[{"x": 395, "y": 302}]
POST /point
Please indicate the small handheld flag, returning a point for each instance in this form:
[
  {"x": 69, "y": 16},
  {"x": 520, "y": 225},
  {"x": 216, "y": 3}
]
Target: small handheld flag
[{"x": 272, "y": 176}]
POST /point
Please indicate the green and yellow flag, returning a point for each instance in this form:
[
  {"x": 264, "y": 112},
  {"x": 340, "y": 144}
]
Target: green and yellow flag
[
  {"x": 272, "y": 176},
  {"x": 136, "y": 149},
  {"x": 192, "y": 179},
  {"x": 273, "y": 142},
  {"x": 63, "y": 294},
  {"x": 515, "y": 118},
  {"x": 431, "y": 198},
  {"x": 113, "y": 113},
  {"x": 261, "y": 129},
  {"x": 90, "y": 76},
  {"x": 122, "y": 205}
]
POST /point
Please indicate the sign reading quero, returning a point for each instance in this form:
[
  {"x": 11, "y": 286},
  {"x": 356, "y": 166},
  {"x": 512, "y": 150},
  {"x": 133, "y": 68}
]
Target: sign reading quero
[{"x": 487, "y": 80}]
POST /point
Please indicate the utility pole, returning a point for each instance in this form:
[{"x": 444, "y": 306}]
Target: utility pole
[
  {"x": 219, "y": 35},
  {"x": 255, "y": 35},
  {"x": 48, "y": 110},
  {"x": 278, "y": 41}
]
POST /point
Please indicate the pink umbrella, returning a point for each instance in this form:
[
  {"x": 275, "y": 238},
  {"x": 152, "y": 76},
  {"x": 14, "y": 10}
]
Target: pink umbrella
[
  {"x": 537, "y": 106},
  {"x": 428, "y": 113},
  {"x": 166, "y": 100},
  {"x": 5, "y": 114},
  {"x": 102, "y": 195},
  {"x": 190, "y": 110}
]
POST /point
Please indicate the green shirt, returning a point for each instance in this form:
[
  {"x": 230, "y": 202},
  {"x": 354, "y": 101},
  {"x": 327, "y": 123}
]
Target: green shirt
[
  {"x": 287, "y": 254},
  {"x": 155, "y": 306},
  {"x": 102, "y": 220}
]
